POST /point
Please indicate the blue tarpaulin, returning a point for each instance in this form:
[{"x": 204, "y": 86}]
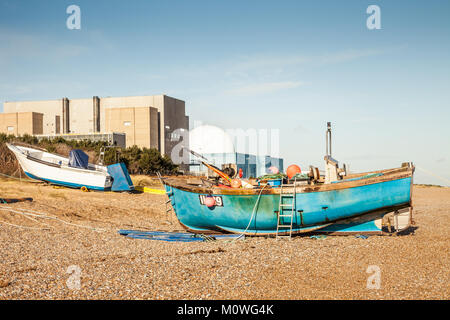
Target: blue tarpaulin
[
  {"x": 177, "y": 236},
  {"x": 121, "y": 178},
  {"x": 78, "y": 159}
]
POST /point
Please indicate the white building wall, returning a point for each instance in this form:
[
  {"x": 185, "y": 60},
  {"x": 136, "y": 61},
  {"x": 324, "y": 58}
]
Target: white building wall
[
  {"x": 81, "y": 115},
  {"x": 49, "y": 108}
]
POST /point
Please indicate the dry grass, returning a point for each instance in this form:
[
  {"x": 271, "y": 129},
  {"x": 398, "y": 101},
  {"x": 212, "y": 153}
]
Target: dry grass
[{"x": 146, "y": 181}]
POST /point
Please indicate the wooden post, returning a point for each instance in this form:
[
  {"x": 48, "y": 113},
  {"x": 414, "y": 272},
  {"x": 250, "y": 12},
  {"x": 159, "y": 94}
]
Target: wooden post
[{"x": 396, "y": 220}]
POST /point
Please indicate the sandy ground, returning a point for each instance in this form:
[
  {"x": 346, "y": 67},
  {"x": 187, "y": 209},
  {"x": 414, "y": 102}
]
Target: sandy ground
[{"x": 46, "y": 263}]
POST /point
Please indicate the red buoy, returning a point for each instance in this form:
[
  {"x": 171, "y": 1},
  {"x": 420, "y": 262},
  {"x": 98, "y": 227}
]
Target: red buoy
[
  {"x": 210, "y": 202},
  {"x": 292, "y": 170}
]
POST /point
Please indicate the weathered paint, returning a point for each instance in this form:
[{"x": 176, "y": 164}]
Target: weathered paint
[{"x": 317, "y": 209}]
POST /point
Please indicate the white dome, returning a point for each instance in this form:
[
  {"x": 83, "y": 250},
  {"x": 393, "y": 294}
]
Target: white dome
[{"x": 210, "y": 139}]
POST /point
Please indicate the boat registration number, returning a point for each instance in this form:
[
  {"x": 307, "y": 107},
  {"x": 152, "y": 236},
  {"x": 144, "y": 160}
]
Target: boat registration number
[{"x": 217, "y": 199}]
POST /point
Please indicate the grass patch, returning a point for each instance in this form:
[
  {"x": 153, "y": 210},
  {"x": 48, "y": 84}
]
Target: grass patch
[
  {"x": 146, "y": 181},
  {"x": 430, "y": 185}
]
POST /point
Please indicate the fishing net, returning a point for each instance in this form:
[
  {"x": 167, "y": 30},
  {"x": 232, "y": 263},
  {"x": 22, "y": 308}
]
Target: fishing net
[{"x": 273, "y": 176}]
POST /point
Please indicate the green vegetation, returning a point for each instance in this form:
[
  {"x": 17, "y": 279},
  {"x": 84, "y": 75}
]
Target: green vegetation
[
  {"x": 138, "y": 160},
  {"x": 429, "y": 185}
]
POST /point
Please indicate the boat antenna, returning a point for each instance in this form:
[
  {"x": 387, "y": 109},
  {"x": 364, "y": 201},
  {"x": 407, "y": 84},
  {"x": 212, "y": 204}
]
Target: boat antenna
[
  {"x": 195, "y": 153},
  {"x": 210, "y": 166}
]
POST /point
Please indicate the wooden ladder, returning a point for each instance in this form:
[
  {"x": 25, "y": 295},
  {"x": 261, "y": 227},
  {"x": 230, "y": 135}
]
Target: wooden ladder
[{"x": 286, "y": 210}]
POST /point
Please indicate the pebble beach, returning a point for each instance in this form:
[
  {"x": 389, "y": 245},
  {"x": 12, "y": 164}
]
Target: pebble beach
[{"x": 71, "y": 249}]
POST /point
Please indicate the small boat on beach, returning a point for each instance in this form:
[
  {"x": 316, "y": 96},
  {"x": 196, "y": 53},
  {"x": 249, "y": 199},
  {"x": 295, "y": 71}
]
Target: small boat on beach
[
  {"x": 335, "y": 203},
  {"x": 74, "y": 171}
]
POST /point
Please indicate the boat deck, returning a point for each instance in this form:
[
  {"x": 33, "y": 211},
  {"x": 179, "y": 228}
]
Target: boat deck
[{"x": 350, "y": 181}]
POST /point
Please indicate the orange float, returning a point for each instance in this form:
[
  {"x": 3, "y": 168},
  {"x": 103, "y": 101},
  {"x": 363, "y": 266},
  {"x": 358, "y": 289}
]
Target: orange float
[{"x": 292, "y": 170}]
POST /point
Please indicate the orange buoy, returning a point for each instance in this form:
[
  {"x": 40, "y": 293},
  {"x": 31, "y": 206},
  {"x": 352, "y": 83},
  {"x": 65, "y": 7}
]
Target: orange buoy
[
  {"x": 292, "y": 170},
  {"x": 274, "y": 170},
  {"x": 210, "y": 202},
  {"x": 236, "y": 183}
]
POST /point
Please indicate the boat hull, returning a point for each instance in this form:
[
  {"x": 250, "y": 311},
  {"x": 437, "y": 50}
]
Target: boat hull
[
  {"x": 313, "y": 210},
  {"x": 68, "y": 184},
  {"x": 62, "y": 175}
]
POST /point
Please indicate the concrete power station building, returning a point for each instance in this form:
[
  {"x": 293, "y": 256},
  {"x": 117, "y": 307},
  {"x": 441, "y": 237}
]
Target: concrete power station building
[{"x": 144, "y": 121}]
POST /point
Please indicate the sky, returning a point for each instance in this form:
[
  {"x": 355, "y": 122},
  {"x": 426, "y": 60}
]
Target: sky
[{"x": 283, "y": 66}]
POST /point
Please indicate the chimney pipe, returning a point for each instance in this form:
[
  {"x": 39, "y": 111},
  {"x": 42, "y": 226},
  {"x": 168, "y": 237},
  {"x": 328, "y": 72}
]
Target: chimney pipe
[
  {"x": 328, "y": 139},
  {"x": 65, "y": 115},
  {"x": 96, "y": 105}
]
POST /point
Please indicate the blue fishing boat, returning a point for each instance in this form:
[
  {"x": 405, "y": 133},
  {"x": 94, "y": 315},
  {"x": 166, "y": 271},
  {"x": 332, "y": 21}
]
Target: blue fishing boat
[{"x": 337, "y": 202}]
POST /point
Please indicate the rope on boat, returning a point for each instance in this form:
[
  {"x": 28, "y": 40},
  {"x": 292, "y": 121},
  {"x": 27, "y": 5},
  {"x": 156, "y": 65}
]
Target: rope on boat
[
  {"x": 27, "y": 217},
  {"x": 433, "y": 174},
  {"x": 253, "y": 213},
  {"x": 207, "y": 238},
  {"x": 46, "y": 216},
  {"x": 37, "y": 214},
  {"x": 20, "y": 179},
  {"x": 19, "y": 226}
]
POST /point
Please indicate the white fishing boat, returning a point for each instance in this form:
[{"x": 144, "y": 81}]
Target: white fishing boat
[{"x": 74, "y": 172}]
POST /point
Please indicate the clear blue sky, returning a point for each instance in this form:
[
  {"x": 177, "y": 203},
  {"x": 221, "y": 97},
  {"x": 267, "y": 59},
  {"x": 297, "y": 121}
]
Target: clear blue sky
[{"x": 288, "y": 65}]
